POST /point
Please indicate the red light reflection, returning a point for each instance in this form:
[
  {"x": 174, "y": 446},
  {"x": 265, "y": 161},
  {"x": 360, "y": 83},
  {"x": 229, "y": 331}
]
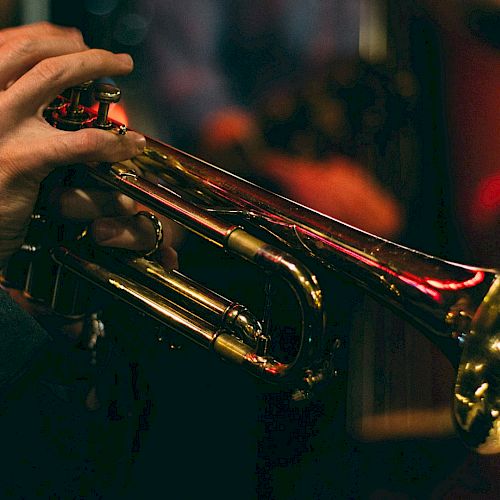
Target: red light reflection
[
  {"x": 458, "y": 285},
  {"x": 427, "y": 286},
  {"x": 116, "y": 113}
]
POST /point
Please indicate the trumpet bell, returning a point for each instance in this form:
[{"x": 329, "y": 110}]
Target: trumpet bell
[
  {"x": 476, "y": 396},
  {"x": 456, "y": 306}
]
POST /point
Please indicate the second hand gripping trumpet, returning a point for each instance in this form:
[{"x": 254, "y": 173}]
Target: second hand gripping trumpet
[{"x": 454, "y": 305}]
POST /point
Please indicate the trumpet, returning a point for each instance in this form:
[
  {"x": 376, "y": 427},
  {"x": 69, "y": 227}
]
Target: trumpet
[{"x": 454, "y": 305}]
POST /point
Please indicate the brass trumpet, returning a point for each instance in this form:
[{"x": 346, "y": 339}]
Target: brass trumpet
[{"x": 456, "y": 306}]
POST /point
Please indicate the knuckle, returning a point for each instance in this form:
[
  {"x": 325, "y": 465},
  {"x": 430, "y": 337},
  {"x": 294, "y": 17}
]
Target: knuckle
[
  {"x": 23, "y": 46},
  {"x": 73, "y": 34},
  {"x": 89, "y": 142},
  {"x": 43, "y": 26},
  {"x": 50, "y": 70},
  {"x": 70, "y": 30},
  {"x": 91, "y": 63},
  {"x": 50, "y": 29},
  {"x": 99, "y": 56},
  {"x": 76, "y": 44},
  {"x": 78, "y": 37}
]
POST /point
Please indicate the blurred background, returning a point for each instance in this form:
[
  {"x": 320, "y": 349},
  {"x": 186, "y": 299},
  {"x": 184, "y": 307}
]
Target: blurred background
[{"x": 381, "y": 113}]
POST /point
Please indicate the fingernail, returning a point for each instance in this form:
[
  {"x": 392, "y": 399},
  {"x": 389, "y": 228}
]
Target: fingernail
[
  {"x": 140, "y": 143},
  {"x": 124, "y": 203},
  {"x": 126, "y": 58},
  {"x": 105, "y": 230}
]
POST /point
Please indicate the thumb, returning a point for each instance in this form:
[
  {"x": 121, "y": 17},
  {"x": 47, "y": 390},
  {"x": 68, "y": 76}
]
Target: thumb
[{"x": 92, "y": 144}]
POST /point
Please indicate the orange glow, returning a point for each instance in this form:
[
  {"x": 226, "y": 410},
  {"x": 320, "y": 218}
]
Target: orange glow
[{"x": 116, "y": 113}]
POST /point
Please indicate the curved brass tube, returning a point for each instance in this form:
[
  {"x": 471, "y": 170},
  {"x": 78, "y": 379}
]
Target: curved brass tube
[
  {"x": 456, "y": 306},
  {"x": 209, "y": 319}
]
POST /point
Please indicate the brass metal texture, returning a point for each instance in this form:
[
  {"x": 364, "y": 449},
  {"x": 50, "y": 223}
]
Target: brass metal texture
[
  {"x": 455, "y": 305},
  {"x": 105, "y": 94}
]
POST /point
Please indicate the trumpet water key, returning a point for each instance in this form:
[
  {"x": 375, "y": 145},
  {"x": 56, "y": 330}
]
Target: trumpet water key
[{"x": 454, "y": 305}]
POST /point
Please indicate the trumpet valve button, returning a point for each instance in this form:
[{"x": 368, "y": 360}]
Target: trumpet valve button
[
  {"x": 74, "y": 107},
  {"x": 105, "y": 94},
  {"x": 70, "y": 116}
]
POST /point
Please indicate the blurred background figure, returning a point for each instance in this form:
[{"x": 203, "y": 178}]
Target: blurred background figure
[{"x": 274, "y": 91}]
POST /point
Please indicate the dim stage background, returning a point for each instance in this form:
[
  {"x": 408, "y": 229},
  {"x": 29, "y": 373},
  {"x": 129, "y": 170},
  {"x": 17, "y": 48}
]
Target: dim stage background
[{"x": 393, "y": 435}]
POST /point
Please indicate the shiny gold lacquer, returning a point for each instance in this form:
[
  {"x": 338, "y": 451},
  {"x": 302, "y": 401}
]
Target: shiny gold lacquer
[
  {"x": 456, "y": 306},
  {"x": 477, "y": 395}
]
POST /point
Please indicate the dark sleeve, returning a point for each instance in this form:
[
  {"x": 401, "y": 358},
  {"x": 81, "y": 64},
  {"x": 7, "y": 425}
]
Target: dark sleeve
[
  {"x": 43, "y": 427},
  {"x": 22, "y": 343}
]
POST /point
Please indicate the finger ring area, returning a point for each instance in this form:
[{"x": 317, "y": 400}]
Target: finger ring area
[{"x": 157, "y": 226}]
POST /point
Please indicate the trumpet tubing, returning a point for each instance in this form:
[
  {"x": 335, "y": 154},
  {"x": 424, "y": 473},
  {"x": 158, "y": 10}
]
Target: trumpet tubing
[{"x": 456, "y": 306}]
